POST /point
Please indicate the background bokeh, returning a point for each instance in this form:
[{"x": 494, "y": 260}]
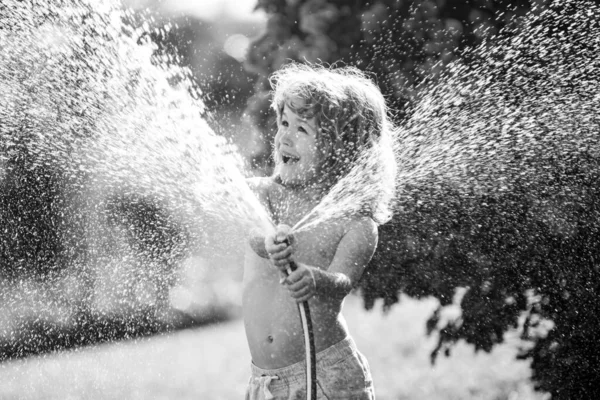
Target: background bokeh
[{"x": 68, "y": 316}]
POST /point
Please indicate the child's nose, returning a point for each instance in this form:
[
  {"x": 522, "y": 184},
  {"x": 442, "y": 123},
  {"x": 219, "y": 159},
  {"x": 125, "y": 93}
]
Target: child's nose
[{"x": 287, "y": 137}]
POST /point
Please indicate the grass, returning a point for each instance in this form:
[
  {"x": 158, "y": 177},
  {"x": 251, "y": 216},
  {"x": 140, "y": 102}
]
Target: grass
[{"x": 212, "y": 363}]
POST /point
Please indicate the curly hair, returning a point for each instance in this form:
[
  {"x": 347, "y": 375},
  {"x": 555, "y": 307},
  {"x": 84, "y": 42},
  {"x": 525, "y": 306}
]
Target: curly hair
[{"x": 352, "y": 119}]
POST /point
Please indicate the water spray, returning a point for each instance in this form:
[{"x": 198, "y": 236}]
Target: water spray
[{"x": 483, "y": 129}]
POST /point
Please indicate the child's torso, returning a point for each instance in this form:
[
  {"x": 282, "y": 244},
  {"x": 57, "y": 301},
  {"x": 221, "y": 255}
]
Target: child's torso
[{"x": 271, "y": 316}]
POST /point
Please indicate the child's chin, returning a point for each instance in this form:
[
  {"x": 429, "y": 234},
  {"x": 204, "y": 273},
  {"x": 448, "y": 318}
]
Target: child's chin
[
  {"x": 288, "y": 175},
  {"x": 289, "y": 179}
]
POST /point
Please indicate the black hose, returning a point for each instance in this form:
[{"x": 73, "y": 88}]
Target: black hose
[{"x": 309, "y": 342}]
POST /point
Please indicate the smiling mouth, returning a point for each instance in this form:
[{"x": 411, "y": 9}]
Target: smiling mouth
[{"x": 287, "y": 159}]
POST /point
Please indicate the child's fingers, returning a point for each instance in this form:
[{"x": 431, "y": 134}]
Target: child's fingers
[
  {"x": 299, "y": 293},
  {"x": 274, "y": 248},
  {"x": 297, "y": 276},
  {"x": 302, "y": 294},
  {"x": 282, "y": 264},
  {"x": 274, "y": 241},
  {"x": 294, "y": 277},
  {"x": 283, "y": 256},
  {"x": 285, "y": 252},
  {"x": 282, "y": 233},
  {"x": 299, "y": 285},
  {"x": 301, "y": 273},
  {"x": 300, "y": 281}
]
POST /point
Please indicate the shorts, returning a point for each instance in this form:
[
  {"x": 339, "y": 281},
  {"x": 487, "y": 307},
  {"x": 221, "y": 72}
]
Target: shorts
[{"x": 342, "y": 373}]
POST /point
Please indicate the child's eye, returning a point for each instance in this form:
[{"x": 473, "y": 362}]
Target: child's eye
[
  {"x": 284, "y": 123},
  {"x": 301, "y": 129}
]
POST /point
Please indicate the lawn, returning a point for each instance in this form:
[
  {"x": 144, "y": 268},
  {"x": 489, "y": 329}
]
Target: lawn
[{"x": 212, "y": 363}]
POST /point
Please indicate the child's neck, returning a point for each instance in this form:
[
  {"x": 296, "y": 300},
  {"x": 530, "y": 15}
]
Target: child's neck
[
  {"x": 312, "y": 192},
  {"x": 296, "y": 201}
]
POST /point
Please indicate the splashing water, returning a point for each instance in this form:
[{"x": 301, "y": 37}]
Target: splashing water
[
  {"x": 85, "y": 96},
  {"x": 521, "y": 115},
  {"x": 522, "y": 102},
  {"x": 85, "y": 99},
  {"x": 368, "y": 182},
  {"x": 525, "y": 105},
  {"x": 83, "y": 93}
]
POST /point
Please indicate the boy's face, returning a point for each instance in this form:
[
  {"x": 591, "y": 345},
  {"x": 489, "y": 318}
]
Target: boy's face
[{"x": 297, "y": 157}]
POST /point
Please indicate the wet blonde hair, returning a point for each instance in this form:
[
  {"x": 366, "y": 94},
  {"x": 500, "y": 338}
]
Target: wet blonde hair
[{"x": 351, "y": 117}]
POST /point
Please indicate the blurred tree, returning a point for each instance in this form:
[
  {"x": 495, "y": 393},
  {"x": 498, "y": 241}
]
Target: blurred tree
[
  {"x": 403, "y": 43},
  {"x": 159, "y": 243},
  {"x": 35, "y": 220},
  {"x": 53, "y": 102},
  {"x": 531, "y": 253}
]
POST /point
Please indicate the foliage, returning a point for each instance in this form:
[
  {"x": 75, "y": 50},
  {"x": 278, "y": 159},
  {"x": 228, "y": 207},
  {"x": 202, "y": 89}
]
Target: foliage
[
  {"x": 531, "y": 261},
  {"x": 32, "y": 215},
  {"x": 403, "y": 43},
  {"x": 53, "y": 99},
  {"x": 525, "y": 258}
]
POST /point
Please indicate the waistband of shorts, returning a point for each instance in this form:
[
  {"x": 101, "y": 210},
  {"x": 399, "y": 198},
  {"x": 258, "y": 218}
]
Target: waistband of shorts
[{"x": 325, "y": 358}]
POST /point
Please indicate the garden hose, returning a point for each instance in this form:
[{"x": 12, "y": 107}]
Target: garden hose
[
  {"x": 309, "y": 342},
  {"x": 309, "y": 345}
]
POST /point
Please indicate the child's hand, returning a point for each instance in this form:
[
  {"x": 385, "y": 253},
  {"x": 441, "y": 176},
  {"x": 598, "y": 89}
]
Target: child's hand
[
  {"x": 301, "y": 283},
  {"x": 279, "y": 247}
]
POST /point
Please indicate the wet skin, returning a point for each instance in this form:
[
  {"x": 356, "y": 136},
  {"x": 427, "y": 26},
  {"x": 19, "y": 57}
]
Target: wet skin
[{"x": 331, "y": 257}]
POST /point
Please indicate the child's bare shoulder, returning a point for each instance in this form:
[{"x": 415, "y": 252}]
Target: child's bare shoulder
[
  {"x": 360, "y": 233},
  {"x": 361, "y": 224}
]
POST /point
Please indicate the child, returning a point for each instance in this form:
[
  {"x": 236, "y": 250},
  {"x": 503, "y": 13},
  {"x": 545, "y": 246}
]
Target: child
[{"x": 325, "y": 117}]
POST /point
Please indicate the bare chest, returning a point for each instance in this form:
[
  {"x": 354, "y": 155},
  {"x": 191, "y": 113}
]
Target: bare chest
[
  {"x": 317, "y": 246},
  {"x": 314, "y": 246}
]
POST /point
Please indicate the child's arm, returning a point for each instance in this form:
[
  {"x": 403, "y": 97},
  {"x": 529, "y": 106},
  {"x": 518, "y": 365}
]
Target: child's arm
[{"x": 352, "y": 256}]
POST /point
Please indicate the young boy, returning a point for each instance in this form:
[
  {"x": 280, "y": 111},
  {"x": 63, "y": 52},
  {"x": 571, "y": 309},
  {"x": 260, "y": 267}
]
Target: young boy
[{"x": 325, "y": 117}]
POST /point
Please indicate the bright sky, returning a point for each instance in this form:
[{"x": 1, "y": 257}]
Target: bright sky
[
  {"x": 239, "y": 9},
  {"x": 235, "y": 45},
  {"x": 208, "y": 9}
]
